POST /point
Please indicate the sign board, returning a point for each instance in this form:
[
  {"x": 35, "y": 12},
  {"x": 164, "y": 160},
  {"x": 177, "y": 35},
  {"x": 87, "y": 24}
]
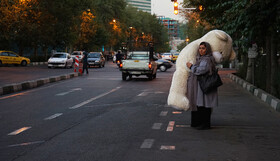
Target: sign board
[{"x": 252, "y": 52}]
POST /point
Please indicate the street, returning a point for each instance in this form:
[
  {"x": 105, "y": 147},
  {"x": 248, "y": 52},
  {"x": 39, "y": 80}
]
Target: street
[{"x": 99, "y": 117}]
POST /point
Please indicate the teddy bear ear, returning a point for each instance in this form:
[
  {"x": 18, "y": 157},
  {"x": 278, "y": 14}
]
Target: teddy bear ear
[{"x": 221, "y": 35}]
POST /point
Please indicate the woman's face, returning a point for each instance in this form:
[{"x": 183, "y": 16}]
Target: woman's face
[{"x": 202, "y": 50}]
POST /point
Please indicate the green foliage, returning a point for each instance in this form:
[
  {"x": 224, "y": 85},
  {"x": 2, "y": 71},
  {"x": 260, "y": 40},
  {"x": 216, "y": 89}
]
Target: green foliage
[
  {"x": 247, "y": 22},
  {"x": 75, "y": 24}
]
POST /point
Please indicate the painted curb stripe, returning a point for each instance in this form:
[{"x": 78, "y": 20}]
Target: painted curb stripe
[{"x": 170, "y": 126}]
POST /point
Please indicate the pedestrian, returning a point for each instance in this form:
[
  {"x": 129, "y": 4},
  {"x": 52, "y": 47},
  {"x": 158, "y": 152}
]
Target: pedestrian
[
  {"x": 85, "y": 62},
  {"x": 201, "y": 104},
  {"x": 119, "y": 56}
]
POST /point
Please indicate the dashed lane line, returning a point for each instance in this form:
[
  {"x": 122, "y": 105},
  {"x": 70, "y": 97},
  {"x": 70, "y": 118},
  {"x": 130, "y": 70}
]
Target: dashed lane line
[
  {"x": 157, "y": 126},
  {"x": 25, "y": 144},
  {"x": 53, "y": 116},
  {"x": 18, "y": 131},
  {"x": 147, "y": 144},
  {"x": 94, "y": 98},
  {"x": 163, "y": 113}
]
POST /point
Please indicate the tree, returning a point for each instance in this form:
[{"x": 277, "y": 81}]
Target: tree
[{"x": 255, "y": 21}]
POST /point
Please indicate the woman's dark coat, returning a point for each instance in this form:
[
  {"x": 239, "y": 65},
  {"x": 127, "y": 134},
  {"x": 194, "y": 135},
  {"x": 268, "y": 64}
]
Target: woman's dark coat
[{"x": 204, "y": 64}]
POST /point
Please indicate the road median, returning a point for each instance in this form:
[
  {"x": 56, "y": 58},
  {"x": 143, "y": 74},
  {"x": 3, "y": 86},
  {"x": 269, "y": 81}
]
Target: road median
[{"x": 16, "y": 87}]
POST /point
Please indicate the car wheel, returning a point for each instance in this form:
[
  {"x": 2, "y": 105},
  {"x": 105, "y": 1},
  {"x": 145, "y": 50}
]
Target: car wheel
[
  {"x": 124, "y": 76},
  {"x": 130, "y": 76},
  {"x": 23, "y": 63},
  {"x": 0, "y": 63},
  {"x": 162, "y": 68}
]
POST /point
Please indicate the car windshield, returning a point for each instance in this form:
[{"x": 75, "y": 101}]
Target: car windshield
[
  {"x": 76, "y": 54},
  {"x": 167, "y": 54},
  {"x": 93, "y": 55},
  {"x": 138, "y": 57},
  {"x": 59, "y": 56}
]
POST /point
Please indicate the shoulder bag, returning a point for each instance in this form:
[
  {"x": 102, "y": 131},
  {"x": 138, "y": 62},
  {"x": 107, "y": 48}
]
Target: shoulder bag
[{"x": 209, "y": 82}]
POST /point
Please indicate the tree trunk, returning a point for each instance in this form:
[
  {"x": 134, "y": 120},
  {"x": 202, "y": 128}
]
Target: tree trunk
[
  {"x": 35, "y": 51},
  {"x": 45, "y": 51},
  {"x": 268, "y": 63},
  {"x": 249, "y": 71},
  {"x": 273, "y": 64}
]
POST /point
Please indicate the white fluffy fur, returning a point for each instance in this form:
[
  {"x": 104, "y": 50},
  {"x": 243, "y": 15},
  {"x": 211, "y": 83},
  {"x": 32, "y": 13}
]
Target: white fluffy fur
[{"x": 219, "y": 41}]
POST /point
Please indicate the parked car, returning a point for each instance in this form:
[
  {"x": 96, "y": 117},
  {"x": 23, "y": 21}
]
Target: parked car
[
  {"x": 74, "y": 54},
  {"x": 96, "y": 59},
  {"x": 163, "y": 65},
  {"x": 174, "y": 57},
  {"x": 167, "y": 56},
  {"x": 60, "y": 59},
  {"x": 10, "y": 57}
]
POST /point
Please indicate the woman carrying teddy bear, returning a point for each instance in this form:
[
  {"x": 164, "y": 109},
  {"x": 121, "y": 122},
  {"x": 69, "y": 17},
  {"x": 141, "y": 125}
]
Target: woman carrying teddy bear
[{"x": 201, "y": 104}]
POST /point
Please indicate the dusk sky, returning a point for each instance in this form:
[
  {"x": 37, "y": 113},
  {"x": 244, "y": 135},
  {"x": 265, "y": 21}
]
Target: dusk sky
[{"x": 165, "y": 8}]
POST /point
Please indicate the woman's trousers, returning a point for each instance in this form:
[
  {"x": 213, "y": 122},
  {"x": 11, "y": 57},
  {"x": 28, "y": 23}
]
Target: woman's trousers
[{"x": 201, "y": 119}]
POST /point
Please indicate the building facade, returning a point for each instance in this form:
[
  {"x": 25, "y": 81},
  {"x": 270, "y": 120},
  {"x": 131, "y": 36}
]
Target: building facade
[
  {"x": 173, "y": 31},
  {"x": 143, "y": 5},
  {"x": 171, "y": 25}
]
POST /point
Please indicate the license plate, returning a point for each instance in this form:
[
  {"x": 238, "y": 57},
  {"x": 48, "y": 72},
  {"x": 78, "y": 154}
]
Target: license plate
[
  {"x": 135, "y": 72},
  {"x": 136, "y": 60}
]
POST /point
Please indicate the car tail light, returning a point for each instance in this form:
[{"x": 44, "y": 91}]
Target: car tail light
[
  {"x": 121, "y": 65},
  {"x": 150, "y": 65}
]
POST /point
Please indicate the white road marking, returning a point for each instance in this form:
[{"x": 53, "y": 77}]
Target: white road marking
[
  {"x": 146, "y": 93},
  {"x": 143, "y": 94},
  {"x": 163, "y": 113},
  {"x": 19, "y": 131},
  {"x": 110, "y": 104},
  {"x": 147, "y": 144},
  {"x": 164, "y": 147},
  {"x": 53, "y": 116},
  {"x": 65, "y": 93},
  {"x": 157, "y": 126},
  {"x": 25, "y": 144},
  {"x": 183, "y": 125},
  {"x": 170, "y": 126},
  {"x": 94, "y": 98}
]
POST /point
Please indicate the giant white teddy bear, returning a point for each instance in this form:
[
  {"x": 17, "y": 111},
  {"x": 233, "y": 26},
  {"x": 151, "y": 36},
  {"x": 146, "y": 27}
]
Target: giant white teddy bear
[{"x": 221, "y": 44}]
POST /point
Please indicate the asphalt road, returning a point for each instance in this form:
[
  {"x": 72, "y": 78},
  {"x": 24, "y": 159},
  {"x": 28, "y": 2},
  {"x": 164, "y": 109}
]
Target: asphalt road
[{"x": 99, "y": 117}]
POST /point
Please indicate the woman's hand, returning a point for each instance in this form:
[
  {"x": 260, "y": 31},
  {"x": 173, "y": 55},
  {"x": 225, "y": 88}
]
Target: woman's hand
[{"x": 189, "y": 65}]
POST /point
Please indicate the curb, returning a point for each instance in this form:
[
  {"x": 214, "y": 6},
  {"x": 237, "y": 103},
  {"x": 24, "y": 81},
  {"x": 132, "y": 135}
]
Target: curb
[
  {"x": 16, "y": 87},
  {"x": 261, "y": 94},
  {"x": 37, "y": 63}
]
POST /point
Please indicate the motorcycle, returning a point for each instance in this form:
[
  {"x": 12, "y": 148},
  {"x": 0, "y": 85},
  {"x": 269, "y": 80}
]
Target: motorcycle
[{"x": 118, "y": 63}]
